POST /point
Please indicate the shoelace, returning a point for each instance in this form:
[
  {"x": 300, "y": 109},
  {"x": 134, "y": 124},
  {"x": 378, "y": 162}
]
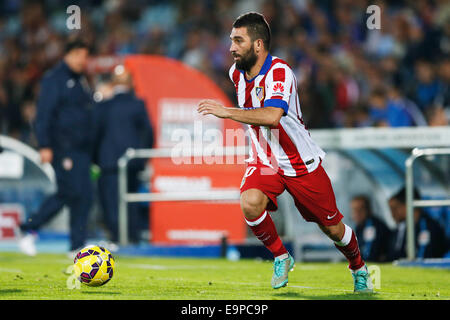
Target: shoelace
[{"x": 361, "y": 280}]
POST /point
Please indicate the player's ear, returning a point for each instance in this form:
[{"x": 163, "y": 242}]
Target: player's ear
[{"x": 259, "y": 45}]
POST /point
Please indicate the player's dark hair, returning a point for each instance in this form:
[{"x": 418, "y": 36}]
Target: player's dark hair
[
  {"x": 76, "y": 43},
  {"x": 401, "y": 195},
  {"x": 257, "y": 27}
]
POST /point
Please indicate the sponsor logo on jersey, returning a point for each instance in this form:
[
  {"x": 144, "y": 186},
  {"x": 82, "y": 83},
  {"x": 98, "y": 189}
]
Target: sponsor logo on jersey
[{"x": 278, "y": 89}]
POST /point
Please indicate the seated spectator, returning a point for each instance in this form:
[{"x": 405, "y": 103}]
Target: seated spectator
[
  {"x": 372, "y": 233},
  {"x": 386, "y": 111},
  {"x": 436, "y": 116},
  {"x": 443, "y": 97},
  {"x": 396, "y": 98},
  {"x": 427, "y": 85},
  {"x": 357, "y": 117},
  {"x": 430, "y": 238}
]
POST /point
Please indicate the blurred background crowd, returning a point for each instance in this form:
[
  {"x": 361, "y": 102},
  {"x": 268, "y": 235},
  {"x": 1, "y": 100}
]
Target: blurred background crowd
[{"x": 349, "y": 76}]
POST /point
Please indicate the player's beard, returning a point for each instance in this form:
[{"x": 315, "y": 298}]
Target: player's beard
[{"x": 247, "y": 60}]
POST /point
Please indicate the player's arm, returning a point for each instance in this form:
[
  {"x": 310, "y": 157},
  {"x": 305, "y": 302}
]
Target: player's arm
[{"x": 267, "y": 116}]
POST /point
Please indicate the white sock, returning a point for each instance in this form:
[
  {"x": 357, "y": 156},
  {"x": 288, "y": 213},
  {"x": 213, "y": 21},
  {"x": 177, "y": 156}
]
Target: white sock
[
  {"x": 346, "y": 238},
  {"x": 257, "y": 221},
  {"x": 283, "y": 256}
]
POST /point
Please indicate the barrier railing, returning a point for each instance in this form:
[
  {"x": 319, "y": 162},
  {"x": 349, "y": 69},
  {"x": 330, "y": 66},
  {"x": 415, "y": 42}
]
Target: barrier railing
[
  {"x": 29, "y": 153},
  {"x": 125, "y": 197},
  {"x": 332, "y": 139},
  {"x": 412, "y": 203}
]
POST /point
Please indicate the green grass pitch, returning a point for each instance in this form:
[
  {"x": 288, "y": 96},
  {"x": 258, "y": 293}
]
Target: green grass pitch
[{"x": 44, "y": 277}]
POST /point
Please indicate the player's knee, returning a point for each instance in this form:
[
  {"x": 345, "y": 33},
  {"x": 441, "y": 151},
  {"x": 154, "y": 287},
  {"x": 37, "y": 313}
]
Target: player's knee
[
  {"x": 253, "y": 203},
  {"x": 251, "y": 211}
]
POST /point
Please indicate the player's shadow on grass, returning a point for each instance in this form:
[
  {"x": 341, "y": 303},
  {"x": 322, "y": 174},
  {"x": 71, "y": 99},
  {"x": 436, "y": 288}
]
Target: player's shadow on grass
[
  {"x": 101, "y": 292},
  {"x": 343, "y": 296},
  {"x": 9, "y": 291}
]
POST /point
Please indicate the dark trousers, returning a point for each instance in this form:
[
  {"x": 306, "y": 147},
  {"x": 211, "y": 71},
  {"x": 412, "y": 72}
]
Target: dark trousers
[
  {"x": 108, "y": 188},
  {"x": 74, "y": 191}
]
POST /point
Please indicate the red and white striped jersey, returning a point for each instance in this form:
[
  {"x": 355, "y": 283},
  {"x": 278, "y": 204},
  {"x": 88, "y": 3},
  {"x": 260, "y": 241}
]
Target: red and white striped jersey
[{"x": 288, "y": 148}]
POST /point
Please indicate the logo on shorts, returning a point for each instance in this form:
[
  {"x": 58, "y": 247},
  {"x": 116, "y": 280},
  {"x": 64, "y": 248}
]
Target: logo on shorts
[{"x": 329, "y": 218}]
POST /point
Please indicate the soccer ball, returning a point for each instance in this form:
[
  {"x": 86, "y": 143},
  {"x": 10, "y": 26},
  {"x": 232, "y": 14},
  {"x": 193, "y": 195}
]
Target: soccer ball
[{"x": 94, "y": 266}]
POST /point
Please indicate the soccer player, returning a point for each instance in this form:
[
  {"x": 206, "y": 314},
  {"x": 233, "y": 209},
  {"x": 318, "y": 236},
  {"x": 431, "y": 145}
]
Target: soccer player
[{"x": 283, "y": 156}]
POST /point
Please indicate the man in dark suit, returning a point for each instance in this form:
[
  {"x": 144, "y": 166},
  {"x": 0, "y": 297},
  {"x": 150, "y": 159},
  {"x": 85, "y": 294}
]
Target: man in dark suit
[
  {"x": 372, "y": 233},
  {"x": 63, "y": 127},
  {"x": 429, "y": 235},
  {"x": 121, "y": 122}
]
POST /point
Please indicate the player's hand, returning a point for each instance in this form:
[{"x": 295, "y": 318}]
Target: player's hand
[
  {"x": 215, "y": 108},
  {"x": 46, "y": 155}
]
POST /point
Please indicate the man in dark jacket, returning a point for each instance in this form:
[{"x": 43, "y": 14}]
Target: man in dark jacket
[
  {"x": 429, "y": 235},
  {"x": 63, "y": 127},
  {"x": 121, "y": 122},
  {"x": 372, "y": 233}
]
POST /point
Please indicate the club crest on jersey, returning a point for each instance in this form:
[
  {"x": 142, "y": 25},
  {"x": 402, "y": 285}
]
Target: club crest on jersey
[
  {"x": 278, "y": 89},
  {"x": 259, "y": 93}
]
